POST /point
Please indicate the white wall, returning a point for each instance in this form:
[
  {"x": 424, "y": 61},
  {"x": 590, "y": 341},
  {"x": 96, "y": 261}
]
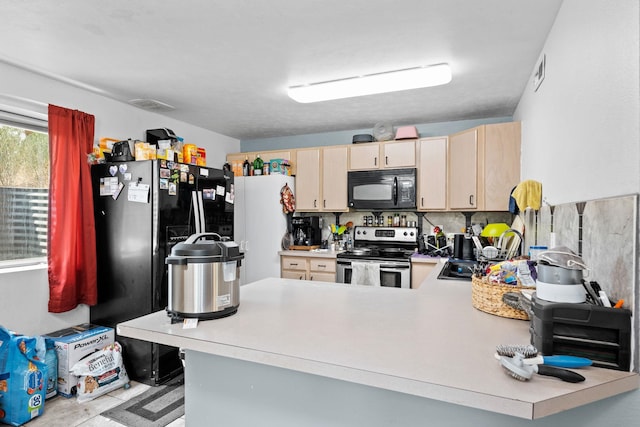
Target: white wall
[
  {"x": 24, "y": 292},
  {"x": 580, "y": 130}
]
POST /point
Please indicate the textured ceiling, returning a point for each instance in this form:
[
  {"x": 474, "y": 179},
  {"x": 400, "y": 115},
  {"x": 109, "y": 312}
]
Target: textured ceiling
[{"x": 226, "y": 65}]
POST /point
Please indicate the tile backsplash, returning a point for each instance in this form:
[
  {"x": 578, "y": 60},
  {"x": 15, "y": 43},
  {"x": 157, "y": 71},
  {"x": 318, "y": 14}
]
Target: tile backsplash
[{"x": 604, "y": 233}]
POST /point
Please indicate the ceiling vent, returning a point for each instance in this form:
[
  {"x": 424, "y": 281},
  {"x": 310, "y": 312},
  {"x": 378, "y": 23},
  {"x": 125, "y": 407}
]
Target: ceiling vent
[{"x": 151, "y": 104}]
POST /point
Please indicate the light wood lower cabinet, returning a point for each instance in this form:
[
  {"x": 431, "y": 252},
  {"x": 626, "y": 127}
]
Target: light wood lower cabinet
[
  {"x": 308, "y": 268},
  {"x": 420, "y": 271}
]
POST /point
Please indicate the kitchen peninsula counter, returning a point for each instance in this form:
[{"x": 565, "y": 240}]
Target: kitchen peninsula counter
[{"x": 357, "y": 352}]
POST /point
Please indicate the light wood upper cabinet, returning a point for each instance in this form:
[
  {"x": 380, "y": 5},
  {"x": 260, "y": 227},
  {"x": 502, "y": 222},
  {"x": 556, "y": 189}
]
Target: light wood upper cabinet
[
  {"x": 483, "y": 167},
  {"x": 379, "y": 155},
  {"x": 501, "y": 164},
  {"x": 432, "y": 174},
  {"x": 321, "y": 180},
  {"x": 399, "y": 154},
  {"x": 365, "y": 156},
  {"x": 334, "y": 179},
  {"x": 307, "y": 191},
  {"x": 463, "y": 170}
]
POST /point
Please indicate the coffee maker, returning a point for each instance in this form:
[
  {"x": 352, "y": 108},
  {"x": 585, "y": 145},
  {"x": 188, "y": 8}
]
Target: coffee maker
[{"x": 306, "y": 230}]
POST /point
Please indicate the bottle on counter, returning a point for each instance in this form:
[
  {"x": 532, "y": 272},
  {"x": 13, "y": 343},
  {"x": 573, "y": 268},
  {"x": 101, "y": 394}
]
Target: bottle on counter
[
  {"x": 246, "y": 169},
  {"x": 258, "y": 164}
]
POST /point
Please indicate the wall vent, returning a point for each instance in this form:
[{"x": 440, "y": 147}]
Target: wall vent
[{"x": 151, "y": 104}]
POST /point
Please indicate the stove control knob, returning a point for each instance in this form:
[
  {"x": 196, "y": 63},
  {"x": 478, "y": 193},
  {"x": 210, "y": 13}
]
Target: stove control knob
[
  {"x": 364, "y": 232},
  {"x": 405, "y": 233},
  {"x": 411, "y": 234}
]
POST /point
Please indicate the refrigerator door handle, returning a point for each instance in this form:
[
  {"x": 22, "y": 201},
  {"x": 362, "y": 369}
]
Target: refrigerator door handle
[
  {"x": 194, "y": 202},
  {"x": 198, "y": 211},
  {"x": 203, "y": 225}
]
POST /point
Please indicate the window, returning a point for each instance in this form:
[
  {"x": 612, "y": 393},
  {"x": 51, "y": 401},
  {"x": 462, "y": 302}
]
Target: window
[{"x": 24, "y": 188}]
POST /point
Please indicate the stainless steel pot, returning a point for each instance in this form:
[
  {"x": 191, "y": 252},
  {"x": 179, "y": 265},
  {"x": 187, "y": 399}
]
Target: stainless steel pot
[
  {"x": 204, "y": 278},
  {"x": 559, "y": 275}
]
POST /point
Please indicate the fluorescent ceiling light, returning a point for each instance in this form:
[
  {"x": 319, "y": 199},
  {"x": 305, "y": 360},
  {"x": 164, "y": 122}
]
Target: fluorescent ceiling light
[{"x": 392, "y": 81}]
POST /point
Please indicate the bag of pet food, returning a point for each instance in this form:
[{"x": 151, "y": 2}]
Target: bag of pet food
[
  {"x": 100, "y": 372},
  {"x": 22, "y": 378}
]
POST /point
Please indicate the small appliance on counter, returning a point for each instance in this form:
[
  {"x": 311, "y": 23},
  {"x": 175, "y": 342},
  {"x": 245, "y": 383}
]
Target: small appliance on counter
[
  {"x": 306, "y": 231},
  {"x": 602, "y": 334},
  {"x": 463, "y": 247},
  {"x": 204, "y": 278}
]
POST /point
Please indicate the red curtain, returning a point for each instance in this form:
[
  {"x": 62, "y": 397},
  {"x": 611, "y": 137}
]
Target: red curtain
[{"x": 71, "y": 239}]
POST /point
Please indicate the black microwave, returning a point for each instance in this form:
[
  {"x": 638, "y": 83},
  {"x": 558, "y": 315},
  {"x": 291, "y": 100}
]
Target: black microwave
[{"x": 382, "y": 189}]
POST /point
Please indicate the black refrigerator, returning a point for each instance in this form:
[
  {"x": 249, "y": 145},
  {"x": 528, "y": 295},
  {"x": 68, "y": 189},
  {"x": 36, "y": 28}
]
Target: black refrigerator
[{"x": 142, "y": 209}]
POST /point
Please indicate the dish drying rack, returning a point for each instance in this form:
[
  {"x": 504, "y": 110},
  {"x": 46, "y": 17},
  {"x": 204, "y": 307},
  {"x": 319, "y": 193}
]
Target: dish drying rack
[{"x": 504, "y": 250}]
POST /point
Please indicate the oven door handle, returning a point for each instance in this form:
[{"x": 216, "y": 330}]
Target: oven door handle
[{"x": 394, "y": 266}]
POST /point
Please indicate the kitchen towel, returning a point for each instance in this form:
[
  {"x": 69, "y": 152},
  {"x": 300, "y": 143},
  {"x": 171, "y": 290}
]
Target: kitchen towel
[
  {"x": 364, "y": 273},
  {"x": 528, "y": 194}
]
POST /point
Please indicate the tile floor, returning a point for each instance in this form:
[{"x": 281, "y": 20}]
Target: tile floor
[{"x": 63, "y": 412}]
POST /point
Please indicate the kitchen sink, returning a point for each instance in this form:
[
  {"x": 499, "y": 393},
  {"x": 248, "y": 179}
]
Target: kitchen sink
[{"x": 458, "y": 269}]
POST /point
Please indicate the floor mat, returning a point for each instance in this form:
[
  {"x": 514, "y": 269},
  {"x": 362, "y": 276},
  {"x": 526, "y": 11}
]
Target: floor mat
[{"x": 156, "y": 407}]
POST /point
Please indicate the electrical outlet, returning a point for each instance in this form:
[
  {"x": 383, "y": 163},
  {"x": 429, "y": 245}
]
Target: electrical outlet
[{"x": 538, "y": 74}]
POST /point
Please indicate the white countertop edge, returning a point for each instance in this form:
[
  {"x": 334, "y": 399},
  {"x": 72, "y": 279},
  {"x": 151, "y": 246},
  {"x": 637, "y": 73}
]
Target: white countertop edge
[
  {"x": 312, "y": 254},
  {"x": 443, "y": 393}
]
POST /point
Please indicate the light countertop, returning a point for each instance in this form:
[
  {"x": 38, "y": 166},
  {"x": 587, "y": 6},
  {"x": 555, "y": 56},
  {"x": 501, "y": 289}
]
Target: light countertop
[
  {"x": 321, "y": 253},
  {"x": 428, "y": 342}
]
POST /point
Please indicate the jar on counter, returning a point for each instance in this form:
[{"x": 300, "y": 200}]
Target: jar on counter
[{"x": 534, "y": 251}]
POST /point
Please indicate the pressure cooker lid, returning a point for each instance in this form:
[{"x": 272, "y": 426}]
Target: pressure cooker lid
[
  {"x": 197, "y": 246},
  {"x": 561, "y": 256}
]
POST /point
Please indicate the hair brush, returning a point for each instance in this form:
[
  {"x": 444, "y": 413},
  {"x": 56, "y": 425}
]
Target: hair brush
[
  {"x": 531, "y": 357},
  {"x": 515, "y": 367}
]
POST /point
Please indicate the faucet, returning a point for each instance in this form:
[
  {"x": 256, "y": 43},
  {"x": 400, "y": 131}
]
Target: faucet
[{"x": 519, "y": 234}]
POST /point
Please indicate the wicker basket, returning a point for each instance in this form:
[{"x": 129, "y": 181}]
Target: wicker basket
[{"x": 487, "y": 297}]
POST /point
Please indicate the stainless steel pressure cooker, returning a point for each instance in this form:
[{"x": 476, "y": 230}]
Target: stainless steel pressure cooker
[{"x": 204, "y": 278}]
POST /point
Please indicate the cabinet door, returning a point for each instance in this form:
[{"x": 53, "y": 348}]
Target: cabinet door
[
  {"x": 296, "y": 275},
  {"x": 364, "y": 156},
  {"x": 502, "y": 164},
  {"x": 432, "y": 174},
  {"x": 322, "y": 277},
  {"x": 308, "y": 180},
  {"x": 334, "y": 179},
  {"x": 463, "y": 170},
  {"x": 419, "y": 272},
  {"x": 399, "y": 154}
]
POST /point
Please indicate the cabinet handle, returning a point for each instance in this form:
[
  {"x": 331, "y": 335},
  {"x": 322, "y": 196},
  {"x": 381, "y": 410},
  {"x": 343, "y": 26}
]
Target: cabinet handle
[
  {"x": 324, "y": 203},
  {"x": 294, "y": 264},
  {"x": 422, "y": 201},
  {"x": 471, "y": 199},
  {"x": 386, "y": 160},
  {"x": 322, "y": 266},
  {"x": 375, "y": 161},
  {"x": 315, "y": 203}
]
